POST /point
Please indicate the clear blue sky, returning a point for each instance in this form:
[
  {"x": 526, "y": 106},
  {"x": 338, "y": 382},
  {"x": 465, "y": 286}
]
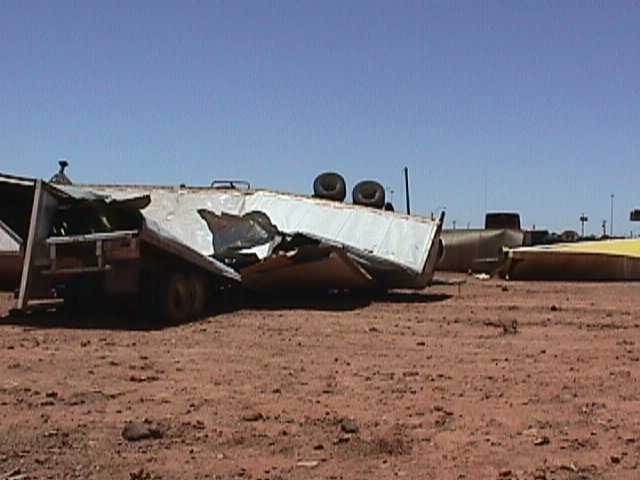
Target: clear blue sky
[{"x": 540, "y": 98}]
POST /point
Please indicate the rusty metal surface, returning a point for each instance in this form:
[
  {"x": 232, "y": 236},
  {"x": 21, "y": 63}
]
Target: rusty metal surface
[
  {"x": 315, "y": 268},
  {"x": 572, "y": 266},
  {"x": 10, "y": 270}
]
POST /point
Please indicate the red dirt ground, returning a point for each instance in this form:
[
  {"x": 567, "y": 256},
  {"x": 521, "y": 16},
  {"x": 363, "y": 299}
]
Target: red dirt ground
[{"x": 439, "y": 384}]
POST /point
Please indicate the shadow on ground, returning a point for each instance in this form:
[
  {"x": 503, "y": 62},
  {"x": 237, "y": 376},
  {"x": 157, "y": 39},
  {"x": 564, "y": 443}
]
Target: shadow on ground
[{"x": 109, "y": 318}]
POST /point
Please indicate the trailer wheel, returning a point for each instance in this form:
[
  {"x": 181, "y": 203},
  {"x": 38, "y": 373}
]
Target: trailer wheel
[
  {"x": 369, "y": 193},
  {"x": 198, "y": 293},
  {"x": 330, "y": 186},
  {"x": 175, "y": 302}
]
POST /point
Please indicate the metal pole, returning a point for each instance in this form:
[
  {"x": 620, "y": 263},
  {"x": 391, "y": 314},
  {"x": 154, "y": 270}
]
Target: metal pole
[
  {"x": 611, "y": 221},
  {"x": 406, "y": 188}
]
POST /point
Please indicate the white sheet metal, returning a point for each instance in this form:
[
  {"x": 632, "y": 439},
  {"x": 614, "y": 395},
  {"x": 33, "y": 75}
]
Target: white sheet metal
[
  {"x": 391, "y": 236},
  {"x": 9, "y": 241}
]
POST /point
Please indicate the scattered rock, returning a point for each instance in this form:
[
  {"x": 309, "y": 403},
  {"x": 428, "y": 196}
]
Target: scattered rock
[
  {"x": 615, "y": 459},
  {"x": 52, "y": 394},
  {"x": 543, "y": 440},
  {"x": 504, "y": 473},
  {"x": 134, "y": 431},
  {"x": 16, "y": 474},
  {"x": 141, "y": 474},
  {"x": 349, "y": 426},
  {"x": 252, "y": 417},
  {"x": 571, "y": 467},
  {"x": 510, "y": 329},
  {"x": 143, "y": 378},
  {"x": 308, "y": 463},
  {"x": 554, "y": 308}
]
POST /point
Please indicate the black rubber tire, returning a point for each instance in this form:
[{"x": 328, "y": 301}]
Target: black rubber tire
[
  {"x": 198, "y": 291},
  {"x": 330, "y": 186},
  {"x": 369, "y": 193},
  {"x": 175, "y": 300}
]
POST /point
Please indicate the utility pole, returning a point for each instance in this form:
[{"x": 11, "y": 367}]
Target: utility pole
[
  {"x": 583, "y": 219},
  {"x": 611, "y": 222},
  {"x": 406, "y": 188},
  {"x": 454, "y": 224}
]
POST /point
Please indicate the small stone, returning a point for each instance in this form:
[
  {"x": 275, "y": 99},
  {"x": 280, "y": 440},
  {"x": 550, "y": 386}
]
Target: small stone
[
  {"x": 134, "y": 431},
  {"x": 318, "y": 446},
  {"x": 539, "y": 441},
  {"x": 553, "y": 308},
  {"x": 615, "y": 459},
  {"x": 52, "y": 394},
  {"x": 349, "y": 426},
  {"x": 140, "y": 474},
  {"x": 308, "y": 463},
  {"x": 252, "y": 417},
  {"x": 504, "y": 473}
]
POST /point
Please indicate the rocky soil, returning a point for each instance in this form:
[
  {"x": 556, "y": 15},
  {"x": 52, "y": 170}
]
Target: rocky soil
[{"x": 487, "y": 380}]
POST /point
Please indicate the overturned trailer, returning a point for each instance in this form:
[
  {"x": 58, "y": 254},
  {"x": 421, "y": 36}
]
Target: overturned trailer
[
  {"x": 278, "y": 240},
  {"x": 606, "y": 260},
  {"x": 170, "y": 247}
]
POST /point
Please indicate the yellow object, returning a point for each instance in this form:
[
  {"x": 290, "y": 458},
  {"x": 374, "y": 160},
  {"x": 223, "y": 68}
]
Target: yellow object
[{"x": 626, "y": 248}]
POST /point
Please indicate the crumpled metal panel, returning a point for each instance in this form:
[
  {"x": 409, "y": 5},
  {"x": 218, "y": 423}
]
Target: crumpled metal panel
[
  {"x": 152, "y": 231},
  {"x": 310, "y": 267},
  {"x": 396, "y": 238}
]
